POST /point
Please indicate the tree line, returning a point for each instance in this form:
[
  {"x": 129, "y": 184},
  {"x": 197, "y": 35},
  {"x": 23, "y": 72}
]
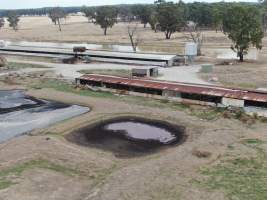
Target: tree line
[
  {"x": 204, "y": 14},
  {"x": 39, "y": 11}
]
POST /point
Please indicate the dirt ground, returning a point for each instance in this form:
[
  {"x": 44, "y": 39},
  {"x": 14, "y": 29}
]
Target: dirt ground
[
  {"x": 244, "y": 75},
  {"x": 44, "y": 165},
  {"x": 222, "y": 158}
]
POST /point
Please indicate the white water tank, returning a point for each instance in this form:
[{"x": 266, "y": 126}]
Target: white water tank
[{"x": 191, "y": 49}]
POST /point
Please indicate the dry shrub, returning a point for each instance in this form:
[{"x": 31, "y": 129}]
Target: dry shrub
[
  {"x": 3, "y": 61},
  {"x": 227, "y": 114},
  {"x": 240, "y": 115},
  {"x": 249, "y": 120},
  {"x": 201, "y": 153},
  {"x": 9, "y": 80}
]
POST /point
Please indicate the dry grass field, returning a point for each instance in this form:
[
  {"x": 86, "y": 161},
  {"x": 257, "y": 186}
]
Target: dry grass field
[
  {"x": 77, "y": 29},
  {"x": 248, "y": 75}
]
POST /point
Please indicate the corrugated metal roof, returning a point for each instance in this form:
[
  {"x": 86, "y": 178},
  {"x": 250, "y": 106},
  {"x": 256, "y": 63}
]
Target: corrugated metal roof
[{"x": 218, "y": 91}]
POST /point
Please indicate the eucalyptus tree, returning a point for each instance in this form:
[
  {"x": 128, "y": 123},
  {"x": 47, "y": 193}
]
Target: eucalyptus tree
[
  {"x": 2, "y": 22},
  {"x": 106, "y": 17},
  {"x": 89, "y": 12},
  {"x": 170, "y": 17},
  {"x": 56, "y": 15},
  {"x": 13, "y": 18},
  {"x": 242, "y": 24}
]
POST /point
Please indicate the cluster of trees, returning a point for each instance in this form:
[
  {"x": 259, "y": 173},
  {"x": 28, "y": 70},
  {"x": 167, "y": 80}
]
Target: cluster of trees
[
  {"x": 242, "y": 23},
  {"x": 104, "y": 16},
  {"x": 13, "y": 20},
  {"x": 169, "y": 16}
]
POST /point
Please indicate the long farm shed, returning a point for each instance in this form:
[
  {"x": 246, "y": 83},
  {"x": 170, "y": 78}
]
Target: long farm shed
[
  {"x": 183, "y": 92},
  {"x": 164, "y": 60}
]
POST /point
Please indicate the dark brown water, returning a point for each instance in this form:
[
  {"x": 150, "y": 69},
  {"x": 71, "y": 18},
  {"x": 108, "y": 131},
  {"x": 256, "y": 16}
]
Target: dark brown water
[{"x": 130, "y": 136}]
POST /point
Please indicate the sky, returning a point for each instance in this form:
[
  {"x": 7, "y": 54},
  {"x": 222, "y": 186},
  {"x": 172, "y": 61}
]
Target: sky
[{"x": 17, "y": 4}]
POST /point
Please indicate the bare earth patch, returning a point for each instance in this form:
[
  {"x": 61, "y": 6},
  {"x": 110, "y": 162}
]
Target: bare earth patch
[
  {"x": 71, "y": 171},
  {"x": 35, "y": 184},
  {"x": 244, "y": 75}
]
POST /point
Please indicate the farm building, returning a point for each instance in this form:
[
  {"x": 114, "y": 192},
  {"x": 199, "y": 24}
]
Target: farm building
[
  {"x": 144, "y": 71},
  {"x": 181, "y": 92},
  {"x": 163, "y": 60}
]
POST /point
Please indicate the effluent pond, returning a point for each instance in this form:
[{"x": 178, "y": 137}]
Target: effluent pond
[
  {"x": 129, "y": 136},
  {"x": 20, "y": 114}
]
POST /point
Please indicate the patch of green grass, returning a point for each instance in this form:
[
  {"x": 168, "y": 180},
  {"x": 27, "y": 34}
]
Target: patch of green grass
[
  {"x": 43, "y": 164},
  {"x": 231, "y": 147},
  {"x": 5, "y": 184},
  {"x": 166, "y": 192},
  {"x": 16, "y": 65},
  {"x": 154, "y": 103},
  {"x": 208, "y": 113},
  {"x": 112, "y": 72},
  {"x": 102, "y": 175},
  {"x": 64, "y": 87},
  {"x": 252, "y": 141},
  {"x": 242, "y": 178}
]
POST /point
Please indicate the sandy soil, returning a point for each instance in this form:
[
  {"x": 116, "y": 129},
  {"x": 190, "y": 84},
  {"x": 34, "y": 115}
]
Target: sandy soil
[{"x": 164, "y": 175}]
